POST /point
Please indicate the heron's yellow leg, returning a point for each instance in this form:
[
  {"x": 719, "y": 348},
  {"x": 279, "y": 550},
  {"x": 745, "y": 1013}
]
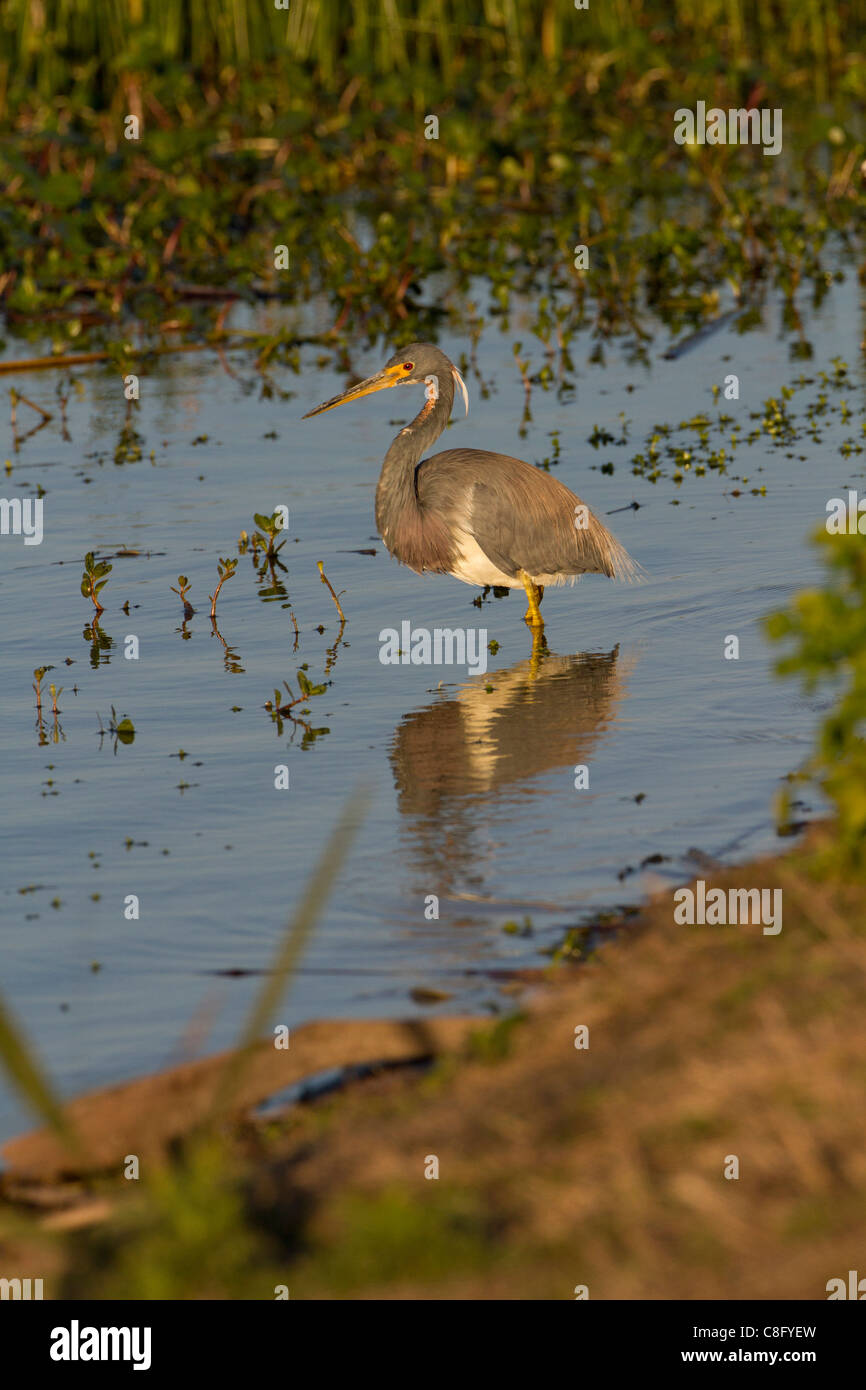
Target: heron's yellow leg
[{"x": 534, "y": 595}]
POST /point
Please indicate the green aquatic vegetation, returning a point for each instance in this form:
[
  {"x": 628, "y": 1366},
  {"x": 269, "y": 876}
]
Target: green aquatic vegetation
[
  {"x": 94, "y": 580},
  {"x": 268, "y": 568},
  {"x": 184, "y": 586},
  {"x": 281, "y": 709},
  {"x": 38, "y": 676},
  {"x": 265, "y": 537},
  {"x": 120, "y": 730},
  {"x": 262, "y": 130},
  {"x": 672, "y": 451},
  {"x": 77, "y": 45},
  {"x": 225, "y": 570}
]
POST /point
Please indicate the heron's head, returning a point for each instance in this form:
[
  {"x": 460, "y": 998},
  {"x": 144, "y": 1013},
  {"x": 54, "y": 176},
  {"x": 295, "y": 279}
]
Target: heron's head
[{"x": 418, "y": 364}]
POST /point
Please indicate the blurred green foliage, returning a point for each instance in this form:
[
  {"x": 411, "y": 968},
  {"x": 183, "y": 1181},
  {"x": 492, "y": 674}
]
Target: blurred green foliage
[
  {"x": 306, "y": 129},
  {"x": 186, "y": 1237},
  {"x": 825, "y": 630},
  {"x": 57, "y": 45}
]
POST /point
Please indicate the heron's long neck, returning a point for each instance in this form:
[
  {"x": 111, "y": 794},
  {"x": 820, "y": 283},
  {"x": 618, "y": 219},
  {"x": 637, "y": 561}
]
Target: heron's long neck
[
  {"x": 396, "y": 491},
  {"x": 418, "y": 537}
]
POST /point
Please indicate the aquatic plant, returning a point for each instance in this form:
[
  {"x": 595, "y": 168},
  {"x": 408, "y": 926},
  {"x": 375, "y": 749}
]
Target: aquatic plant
[
  {"x": 94, "y": 579},
  {"x": 38, "y": 676},
  {"x": 280, "y": 708},
  {"x": 336, "y": 597},
  {"x": 121, "y": 730},
  {"x": 265, "y": 537},
  {"x": 182, "y": 591},
  {"x": 225, "y": 570}
]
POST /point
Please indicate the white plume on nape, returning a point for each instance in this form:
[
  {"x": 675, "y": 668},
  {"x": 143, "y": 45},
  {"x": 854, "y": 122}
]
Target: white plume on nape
[{"x": 462, "y": 384}]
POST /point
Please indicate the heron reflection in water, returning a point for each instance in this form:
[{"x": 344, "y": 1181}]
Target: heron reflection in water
[
  {"x": 483, "y": 517},
  {"x": 466, "y": 756}
]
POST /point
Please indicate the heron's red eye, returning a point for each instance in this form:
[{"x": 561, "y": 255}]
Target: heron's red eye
[{"x": 408, "y": 366}]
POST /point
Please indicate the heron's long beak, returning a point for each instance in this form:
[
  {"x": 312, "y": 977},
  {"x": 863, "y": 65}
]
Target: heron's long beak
[{"x": 389, "y": 376}]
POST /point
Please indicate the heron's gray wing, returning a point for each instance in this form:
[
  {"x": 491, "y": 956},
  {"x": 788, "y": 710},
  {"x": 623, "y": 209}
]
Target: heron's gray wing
[{"x": 520, "y": 516}]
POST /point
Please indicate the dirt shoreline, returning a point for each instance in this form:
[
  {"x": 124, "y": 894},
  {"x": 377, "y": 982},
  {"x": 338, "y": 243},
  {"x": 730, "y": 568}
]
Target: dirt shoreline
[{"x": 558, "y": 1166}]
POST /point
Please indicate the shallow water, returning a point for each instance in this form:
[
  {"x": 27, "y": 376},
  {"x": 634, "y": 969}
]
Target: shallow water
[{"x": 473, "y": 793}]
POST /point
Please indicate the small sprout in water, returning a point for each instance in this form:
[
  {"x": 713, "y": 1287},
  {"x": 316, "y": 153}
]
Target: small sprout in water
[
  {"x": 269, "y": 528},
  {"x": 281, "y": 708},
  {"x": 225, "y": 569},
  {"x": 93, "y": 580},
  {"x": 182, "y": 592},
  {"x": 122, "y": 730},
  {"x": 38, "y": 674},
  {"x": 334, "y": 596}
]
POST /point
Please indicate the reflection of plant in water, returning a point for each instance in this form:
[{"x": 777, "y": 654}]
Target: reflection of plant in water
[
  {"x": 231, "y": 659},
  {"x": 45, "y": 416},
  {"x": 93, "y": 581},
  {"x": 100, "y": 642},
  {"x": 280, "y": 709},
  {"x": 121, "y": 730},
  {"x": 129, "y": 442}
]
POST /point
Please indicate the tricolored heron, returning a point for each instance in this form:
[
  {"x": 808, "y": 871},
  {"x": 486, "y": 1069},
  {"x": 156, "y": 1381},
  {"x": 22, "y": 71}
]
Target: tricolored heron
[{"x": 482, "y": 517}]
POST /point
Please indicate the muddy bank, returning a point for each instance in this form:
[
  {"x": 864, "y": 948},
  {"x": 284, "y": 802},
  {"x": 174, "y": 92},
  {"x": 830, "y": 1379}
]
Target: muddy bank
[{"x": 602, "y": 1165}]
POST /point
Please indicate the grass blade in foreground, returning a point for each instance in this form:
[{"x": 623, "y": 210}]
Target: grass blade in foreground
[
  {"x": 30, "y": 1082},
  {"x": 291, "y": 948}
]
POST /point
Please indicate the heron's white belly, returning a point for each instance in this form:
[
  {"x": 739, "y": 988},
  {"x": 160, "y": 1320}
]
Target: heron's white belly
[{"x": 474, "y": 567}]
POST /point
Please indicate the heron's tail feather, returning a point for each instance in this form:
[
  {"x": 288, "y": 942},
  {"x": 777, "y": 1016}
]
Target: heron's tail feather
[{"x": 616, "y": 561}]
